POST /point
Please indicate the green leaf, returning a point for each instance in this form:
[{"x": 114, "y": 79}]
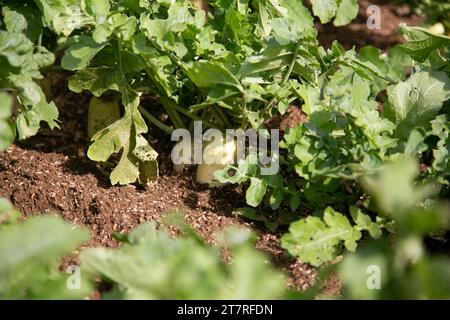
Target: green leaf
[
  {"x": 255, "y": 192},
  {"x": 441, "y": 129},
  {"x": 247, "y": 213},
  {"x": 28, "y": 249},
  {"x": 297, "y": 14},
  {"x": 6, "y": 129},
  {"x": 347, "y": 11},
  {"x": 125, "y": 134},
  {"x": 364, "y": 222},
  {"x": 138, "y": 159},
  {"x": 393, "y": 188},
  {"x": 274, "y": 57},
  {"x": 357, "y": 270},
  {"x": 8, "y": 215},
  {"x": 315, "y": 241},
  {"x": 416, "y": 142},
  {"x": 294, "y": 202},
  {"x": 98, "y": 7},
  {"x": 29, "y": 120},
  {"x": 96, "y": 80},
  {"x": 324, "y": 9},
  {"x": 415, "y": 102},
  {"x": 167, "y": 32},
  {"x": 153, "y": 265},
  {"x": 421, "y": 43},
  {"x": 20, "y": 66},
  {"x": 23, "y": 19},
  {"x": 276, "y": 198},
  {"x": 80, "y": 54},
  {"x": 208, "y": 74}
]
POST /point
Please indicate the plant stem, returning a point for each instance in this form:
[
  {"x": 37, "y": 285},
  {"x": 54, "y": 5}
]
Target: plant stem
[
  {"x": 192, "y": 116},
  {"x": 155, "y": 121},
  {"x": 244, "y": 110},
  {"x": 169, "y": 105},
  {"x": 223, "y": 116},
  {"x": 286, "y": 76}
]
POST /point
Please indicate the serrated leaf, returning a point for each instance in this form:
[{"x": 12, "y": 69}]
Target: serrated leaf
[
  {"x": 23, "y": 19},
  {"x": 124, "y": 134},
  {"x": 80, "y": 54},
  {"x": 415, "y": 102},
  {"x": 342, "y": 228},
  {"x": 153, "y": 265},
  {"x": 20, "y": 69},
  {"x": 315, "y": 241},
  {"x": 166, "y": 32},
  {"x": 28, "y": 249},
  {"x": 364, "y": 222},
  {"x": 138, "y": 159},
  {"x": 96, "y": 80},
  {"x": 29, "y": 120}
]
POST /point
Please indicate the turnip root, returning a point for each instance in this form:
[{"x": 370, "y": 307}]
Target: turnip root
[
  {"x": 216, "y": 155},
  {"x": 437, "y": 28}
]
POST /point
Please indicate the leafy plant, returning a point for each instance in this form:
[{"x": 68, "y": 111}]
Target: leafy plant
[
  {"x": 344, "y": 137},
  {"x": 153, "y": 265},
  {"x": 343, "y": 11},
  {"x": 347, "y": 137},
  {"x": 29, "y": 256},
  {"x": 417, "y": 101},
  {"x": 434, "y": 10},
  {"x": 236, "y": 66},
  {"x": 403, "y": 268},
  {"x": 152, "y": 49},
  {"x": 316, "y": 241},
  {"x": 232, "y": 69},
  {"x": 21, "y": 61},
  {"x": 6, "y": 127}
]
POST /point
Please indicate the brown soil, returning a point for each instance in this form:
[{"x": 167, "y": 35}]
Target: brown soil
[
  {"x": 51, "y": 172},
  {"x": 359, "y": 35}
]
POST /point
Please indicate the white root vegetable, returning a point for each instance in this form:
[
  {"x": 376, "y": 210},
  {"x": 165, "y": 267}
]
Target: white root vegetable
[
  {"x": 437, "y": 28},
  {"x": 216, "y": 155}
]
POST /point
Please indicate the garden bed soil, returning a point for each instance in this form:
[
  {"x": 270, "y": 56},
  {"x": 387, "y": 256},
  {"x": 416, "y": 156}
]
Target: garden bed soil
[
  {"x": 357, "y": 33},
  {"x": 50, "y": 173}
]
